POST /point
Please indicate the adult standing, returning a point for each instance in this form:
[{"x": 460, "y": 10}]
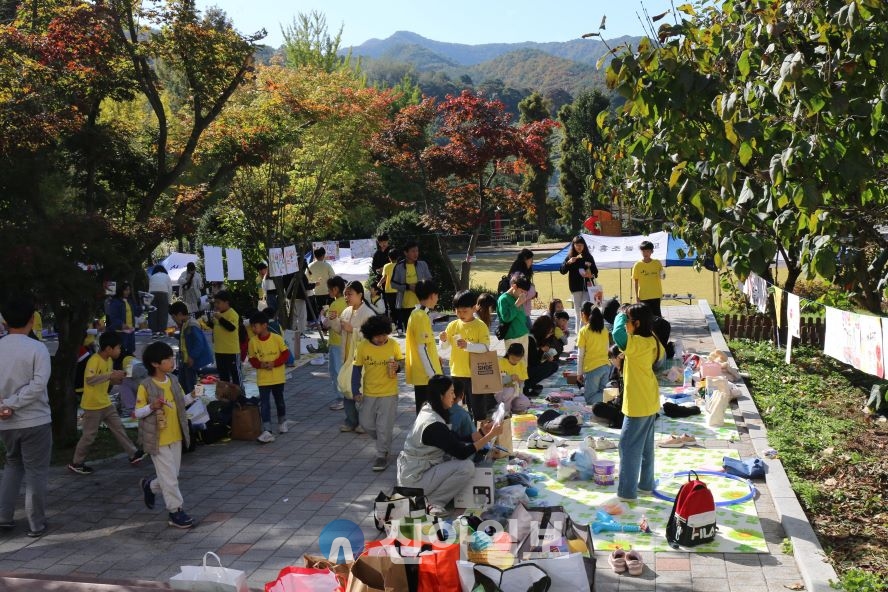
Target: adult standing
[
  {"x": 267, "y": 287},
  {"x": 647, "y": 276},
  {"x": 523, "y": 264},
  {"x": 298, "y": 290},
  {"x": 380, "y": 257},
  {"x": 161, "y": 287},
  {"x": 25, "y": 418},
  {"x": 579, "y": 265},
  {"x": 510, "y": 310},
  {"x": 405, "y": 274},
  {"x": 122, "y": 312},
  {"x": 192, "y": 288},
  {"x": 319, "y": 271}
]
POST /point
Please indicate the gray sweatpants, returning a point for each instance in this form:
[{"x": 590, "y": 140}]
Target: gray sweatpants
[
  {"x": 28, "y": 451},
  {"x": 377, "y": 416},
  {"x": 442, "y": 482}
]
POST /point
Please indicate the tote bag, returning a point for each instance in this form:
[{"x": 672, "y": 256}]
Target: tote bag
[
  {"x": 209, "y": 578},
  {"x": 344, "y": 378}
]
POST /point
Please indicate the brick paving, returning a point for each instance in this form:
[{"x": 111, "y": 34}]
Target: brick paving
[{"x": 260, "y": 507}]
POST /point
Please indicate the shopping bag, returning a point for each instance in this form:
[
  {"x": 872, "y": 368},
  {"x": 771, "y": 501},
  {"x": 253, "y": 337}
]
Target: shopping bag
[
  {"x": 437, "y": 568},
  {"x": 209, "y": 578},
  {"x": 485, "y": 372},
  {"x": 596, "y": 294},
  {"x": 524, "y": 577},
  {"x": 197, "y": 412},
  {"x": 376, "y": 570},
  {"x": 344, "y": 378},
  {"x": 569, "y": 573},
  {"x": 304, "y": 579},
  {"x": 402, "y": 503},
  {"x": 340, "y": 570},
  {"x": 246, "y": 424}
]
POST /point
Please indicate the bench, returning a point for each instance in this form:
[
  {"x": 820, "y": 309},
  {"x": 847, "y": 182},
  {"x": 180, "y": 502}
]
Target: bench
[{"x": 688, "y": 298}]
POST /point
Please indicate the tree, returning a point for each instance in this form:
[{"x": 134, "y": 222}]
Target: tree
[
  {"x": 581, "y": 141},
  {"x": 308, "y": 42},
  {"x": 758, "y": 128},
  {"x": 536, "y": 178}
]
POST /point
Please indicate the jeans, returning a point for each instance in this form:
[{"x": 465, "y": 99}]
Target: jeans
[
  {"x": 636, "y": 456},
  {"x": 265, "y": 394},
  {"x": 351, "y": 412},
  {"x": 28, "y": 451},
  {"x": 334, "y": 365},
  {"x": 594, "y": 382}
]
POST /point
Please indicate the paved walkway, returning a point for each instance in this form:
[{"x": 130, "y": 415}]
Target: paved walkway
[{"x": 260, "y": 507}]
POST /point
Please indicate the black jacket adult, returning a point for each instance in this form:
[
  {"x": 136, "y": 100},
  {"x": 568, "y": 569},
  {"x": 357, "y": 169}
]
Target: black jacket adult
[
  {"x": 575, "y": 282},
  {"x": 380, "y": 258}
]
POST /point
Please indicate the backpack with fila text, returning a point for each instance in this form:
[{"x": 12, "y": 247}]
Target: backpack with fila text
[{"x": 692, "y": 520}]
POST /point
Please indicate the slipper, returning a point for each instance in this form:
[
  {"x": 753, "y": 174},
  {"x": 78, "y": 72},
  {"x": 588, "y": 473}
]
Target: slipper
[
  {"x": 672, "y": 441},
  {"x": 617, "y": 561},
  {"x": 634, "y": 563},
  {"x": 687, "y": 439}
]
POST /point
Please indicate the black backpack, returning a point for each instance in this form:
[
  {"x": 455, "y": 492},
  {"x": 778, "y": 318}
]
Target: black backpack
[
  {"x": 503, "y": 286},
  {"x": 558, "y": 424}
]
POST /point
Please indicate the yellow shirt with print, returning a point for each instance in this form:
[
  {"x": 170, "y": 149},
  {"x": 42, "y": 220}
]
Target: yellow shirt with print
[
  {"x": 171, "y": 432},
  {"x": 594, "y": 346},
  {"x": 128, "y": 314},
  {"x": 268, "y": 350},
  {"x": 387, "y": 270},
  {"x": 95, "y": 396},
  {"x": 337, "y": 306},
  {"x": 475, "y": 331},
  {"x": 37, "y": 328},
  {"x": 374, "y": 360},
  {"x": 648, "y": 277},
  {"x": 225, "y": 341},
  {"x": 508, "y": 368},
  {"x": 410, "y": 277},
  {"x": 641, "y": 392},
  {"x": 420, "y": 335}
]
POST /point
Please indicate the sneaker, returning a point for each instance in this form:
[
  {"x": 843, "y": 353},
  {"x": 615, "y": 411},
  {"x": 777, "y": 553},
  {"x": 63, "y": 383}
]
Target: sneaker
[
  {"x": 337, "y": 406},
  {"x": 634, "y": 563},
  {"x": 617, "y": 561},
  {"x": 360, "y": 430},
  {"x": 37, "y": 533},
  {"x": 602, "y": 443},
  {"x": 138, "y": 457},
  {"x": 380, "y": 463},
  {"x": 147, "y": 494},
  {"x": 265, "y": 437},
  {"x": 80, "y": 469},
  {"x": 672, "y": 441},
  {"x": 284, "y": 426},
  {"x": 180, "y": 519},
  {"x": 543, "y": 440},
  {"x": 346, "y": 428}
]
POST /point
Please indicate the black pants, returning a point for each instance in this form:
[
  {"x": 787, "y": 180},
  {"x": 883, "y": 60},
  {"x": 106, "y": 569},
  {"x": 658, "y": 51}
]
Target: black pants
[
  {"x": 422, "y": 395},
  {"x": 228, "y": 366},
  {"x": 404, "y": 313},
  {"x": 540, "y": 372},
  {"x": 654, "y": 305},
  {"x": 318, "y": 302},
  {"x": 390, "y": 301}
]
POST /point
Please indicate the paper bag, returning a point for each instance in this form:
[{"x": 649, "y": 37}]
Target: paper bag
[
  {"x": 227, "y": 391},
  {"x": 376, "y": 571},
  {"x": 485, "y": 371},
  {"x": 209, "y": 578},
  {"x": 245, "y": 423},
  {"x": 596, "y": 294},
  {"x": 340, "y": 570}
]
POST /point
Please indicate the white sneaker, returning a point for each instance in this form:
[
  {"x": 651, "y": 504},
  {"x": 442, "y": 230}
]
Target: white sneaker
[
  {"x": 604, "y": 444},
  {"x": 543, "y": 440},
  {"x": 337, "y": 406},
  {"x": 360, "y": 430},
  {"x": 265, "y": 437},
  {"x": 284, "y": 426}
]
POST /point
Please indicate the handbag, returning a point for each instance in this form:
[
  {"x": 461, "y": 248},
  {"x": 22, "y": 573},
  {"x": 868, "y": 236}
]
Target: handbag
[
  {"x": 750, "y": 468},
  {"x": 340, "y": 570},
  {"x": 344, "y": 378},
  {"x": 304, "y": 579},
  {"x": 402, "y": 503},
  {"x": 209, "y": 578},
  {"x": 246, "y": 423},
  {"x": 501, "y": 330},
  {"x": 429, "y": 568}
]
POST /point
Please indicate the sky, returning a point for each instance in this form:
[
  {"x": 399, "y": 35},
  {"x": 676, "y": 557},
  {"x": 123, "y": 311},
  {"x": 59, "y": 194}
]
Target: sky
[{"x": 456, "y": 21}]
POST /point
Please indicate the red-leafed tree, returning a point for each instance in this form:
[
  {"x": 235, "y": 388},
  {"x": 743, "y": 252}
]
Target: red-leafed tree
[{"x": 465, "y": 156}]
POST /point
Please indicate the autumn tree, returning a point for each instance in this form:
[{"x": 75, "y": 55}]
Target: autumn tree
[{"x": 535, "y": 179}]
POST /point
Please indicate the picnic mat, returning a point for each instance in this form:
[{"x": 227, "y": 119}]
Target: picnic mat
[{"x": 739, "y": 528}]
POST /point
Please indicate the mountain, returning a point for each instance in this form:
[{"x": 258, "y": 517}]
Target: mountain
[{"x": 534, "y": 69}]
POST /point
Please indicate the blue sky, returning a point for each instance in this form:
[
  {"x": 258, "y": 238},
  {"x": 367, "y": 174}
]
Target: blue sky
[{"x": 456, "y": 21}]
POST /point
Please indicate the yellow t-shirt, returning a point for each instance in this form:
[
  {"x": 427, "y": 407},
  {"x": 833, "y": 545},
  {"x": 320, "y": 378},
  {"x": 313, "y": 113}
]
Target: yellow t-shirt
[
  {"x": 171, "y": 432},
  {"x": 648, "y": 276},
  {"x": 595, "y": 346},
  {"x": 225, "y": 341},
  {"x": 374, "y": 360},
  {"x": 338, "y": 306},
  {"x": 508, "y": 368},
  {"x": 268, "y": 350},
  {"x": 558, "y": 333},
  {"x": 410, "y": 299},
  {"x": 128, "y": 315},
  {"x": 96, "y": 396},
  {"x": 387, "y": 270},
  {"x": 641, "y": 392},
  {"x": 37, "y": 328},
  {"x": 475, "y": 331},
  {"x": 420, "y": 336}
]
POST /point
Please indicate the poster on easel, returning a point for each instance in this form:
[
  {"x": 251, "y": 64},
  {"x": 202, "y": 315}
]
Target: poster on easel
[
  {"x": 871, "y": 360},
  {"x": 214, "y": 270},
  {"x": 362, "y": 248},
  {"x": 276, "y": 265},
  {"x": 332, "y": 248},
  {"x": 291, "y": 259},
  {"x": 234, "y": 261}
]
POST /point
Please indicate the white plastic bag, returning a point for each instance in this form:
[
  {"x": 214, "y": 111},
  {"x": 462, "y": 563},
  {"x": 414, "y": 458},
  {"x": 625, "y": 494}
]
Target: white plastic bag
[{"x": 209, "y": 578}]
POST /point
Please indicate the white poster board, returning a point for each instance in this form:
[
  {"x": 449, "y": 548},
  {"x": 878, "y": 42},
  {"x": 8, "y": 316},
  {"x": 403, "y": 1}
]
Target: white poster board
[
  {"x": 617, "y": 252},
  {"x": 871, "y": 357},
  {"x": 276, "y": 265},
  {"x": 234, "y": 261},
  {"x": 214, "y": 271},
  {"x": 332, "y": 248},
  {"x": 793, "y": 315},
  {"x": 291, "y": 263},
  {"x": 362, "y": 248}
]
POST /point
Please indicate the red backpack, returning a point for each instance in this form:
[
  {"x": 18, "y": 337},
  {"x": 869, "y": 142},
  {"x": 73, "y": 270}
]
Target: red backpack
[{"x": 692, "y": 520}]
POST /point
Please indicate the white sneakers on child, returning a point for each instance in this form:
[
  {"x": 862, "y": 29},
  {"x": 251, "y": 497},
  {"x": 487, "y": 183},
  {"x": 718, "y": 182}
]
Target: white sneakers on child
[{"x": 266, "y": 437}]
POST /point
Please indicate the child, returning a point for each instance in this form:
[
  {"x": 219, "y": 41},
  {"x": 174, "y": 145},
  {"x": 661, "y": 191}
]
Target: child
[
  {"x": 561, "y": 333},
  {"x": 194, "y": 349},
  {"x": 97, "y": 407},
  {"x": 467, "y": 334},
  {"x": 390, "y": 294},
  {"x": 268, "y": 353},
  {"x": 633, "y": 332},
  {"x": 376, "y": 301},
  {"x": 422, "y": 352},
  {"x": 513, "y": 369},
  {"x": 226, "y": 338},
  {"x": 335, "y": 288},
  {"x": 461, "y": 422},
  {"x": 647, "y": 276},
  {"x": 163, "y": 431},
  {"x": 592, "y": 354},
  {"x": 352, "y": 319},
  {"x": 484, "y": 308},
  {"x": 375, "y": 384},
  {"x": 275, "y": 327}
]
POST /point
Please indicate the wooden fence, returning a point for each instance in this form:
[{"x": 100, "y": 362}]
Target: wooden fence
[{"x": 762, "y": 328}]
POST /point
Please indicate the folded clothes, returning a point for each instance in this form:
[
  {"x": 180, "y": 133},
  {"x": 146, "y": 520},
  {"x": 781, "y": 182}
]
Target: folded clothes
[
  {"x": 673, "y": 410},
  {"x": 679, "y": 399}
]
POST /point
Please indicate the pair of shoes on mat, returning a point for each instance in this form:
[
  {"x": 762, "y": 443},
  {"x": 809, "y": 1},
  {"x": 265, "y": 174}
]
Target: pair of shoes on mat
[
  {"x": 600, "y": 443},
  {"x": 623, "y": 561},
  {"x": 543, "y": 440},
  {"x": 678, "y": 441}
]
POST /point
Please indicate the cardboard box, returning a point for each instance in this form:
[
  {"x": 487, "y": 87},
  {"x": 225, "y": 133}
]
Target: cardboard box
[{"x": 478, "y": 493}]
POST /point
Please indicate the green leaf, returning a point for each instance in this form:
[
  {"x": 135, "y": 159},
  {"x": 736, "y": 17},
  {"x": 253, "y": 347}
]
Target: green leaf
[
  {"x": 687, "y": 9},
  {"x": 776, "y": 170},
  {"x": 745, "y": 153},
  {"x": 676, "y": 173},
  {"x": 743, "y": 64},
  {"x": 825, "y": 263},
  {"x": 876, "y": 118},
  {"x": 730, "y": 134}
]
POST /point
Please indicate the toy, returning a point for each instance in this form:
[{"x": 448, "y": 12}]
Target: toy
[{"x": 604, "y": 522}]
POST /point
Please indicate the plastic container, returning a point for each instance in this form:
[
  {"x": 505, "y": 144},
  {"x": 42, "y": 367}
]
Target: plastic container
[
  {"x": 604, "y": 471},
  {"x": 708, "y": 369}
]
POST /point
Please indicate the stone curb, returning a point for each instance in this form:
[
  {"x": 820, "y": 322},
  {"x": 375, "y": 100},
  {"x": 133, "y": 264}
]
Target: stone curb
[{"x": 812, "y": 562}]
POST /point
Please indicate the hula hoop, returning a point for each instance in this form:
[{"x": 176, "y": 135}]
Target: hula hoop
[{"x": 720, "y": 504}]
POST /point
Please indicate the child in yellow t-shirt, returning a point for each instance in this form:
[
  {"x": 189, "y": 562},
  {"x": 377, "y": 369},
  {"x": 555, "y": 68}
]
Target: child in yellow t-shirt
[
  {"x": 593, "y": 363},
  {"x": 268, "y": 353},
  {"x": 163, "y": 430},
  {"x": 422, "y": 351},
  {"x": 375, "y": 384},
  {"x": 467, "y": 334},
  {"x": 513, "y": 370},
  {"x": 226, "y": 338},
  {"x": 335, "y": 352},
  {"x": 647, "y": 276}
]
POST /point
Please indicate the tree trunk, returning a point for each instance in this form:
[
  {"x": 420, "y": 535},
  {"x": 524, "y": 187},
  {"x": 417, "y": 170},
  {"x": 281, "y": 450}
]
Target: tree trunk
[
  {"x": 466, "y": 267},
  {"x": 70, "y": 322},
  {"x": 448, "y": 264},
  {"x": 792, "y": 276}
]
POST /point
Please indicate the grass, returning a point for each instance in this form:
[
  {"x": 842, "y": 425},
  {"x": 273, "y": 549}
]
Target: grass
[{"x": 105, "y": 446}]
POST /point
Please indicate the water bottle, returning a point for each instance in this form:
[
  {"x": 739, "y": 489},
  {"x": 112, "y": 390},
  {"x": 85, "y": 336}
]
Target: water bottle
[{"x": 688, "y": 377}]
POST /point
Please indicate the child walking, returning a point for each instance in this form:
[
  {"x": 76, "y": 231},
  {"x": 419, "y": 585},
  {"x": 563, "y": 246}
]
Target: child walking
[
  {"x": 592, "y": 354},
  {"x": 331, "y": 321},
  {"x": 163, "y": 428},
  {"x": 97, "y": 407},
  {"x": 467, "y": 334},
  {"x": 633, "y": 332},
  {"x": 422, "y": 352},
  {"x": 268, "y": 354},
  {"x": 375, "y": 384}
]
